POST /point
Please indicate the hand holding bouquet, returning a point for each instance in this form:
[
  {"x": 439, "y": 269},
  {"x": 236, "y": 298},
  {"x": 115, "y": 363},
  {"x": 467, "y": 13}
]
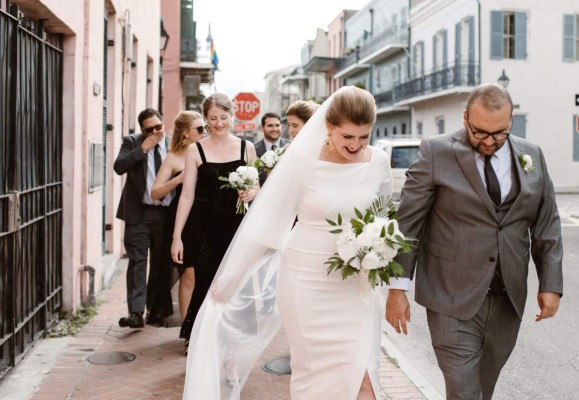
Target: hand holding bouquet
[
  {"x": 243, "y": 178},
  {"x": 369, "y": 243},
  {"x": 269, "y": 159}
]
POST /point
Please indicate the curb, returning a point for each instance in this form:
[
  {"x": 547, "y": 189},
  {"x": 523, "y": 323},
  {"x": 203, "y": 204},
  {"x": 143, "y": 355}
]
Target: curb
[{"x": 412, "y": 373}]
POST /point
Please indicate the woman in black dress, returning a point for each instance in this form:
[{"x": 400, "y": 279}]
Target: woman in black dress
[
  {"x": 188, "y": 127},
  {"x": 211, "y": 211}
]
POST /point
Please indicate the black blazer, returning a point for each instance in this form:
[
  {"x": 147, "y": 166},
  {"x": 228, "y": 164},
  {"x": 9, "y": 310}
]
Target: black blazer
[{"x": 132, "y": 161}]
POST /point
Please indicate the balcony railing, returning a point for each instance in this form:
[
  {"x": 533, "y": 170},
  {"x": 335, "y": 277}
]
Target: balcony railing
[
  {"x": 454, "y": 76},
  {"x": 384, "y": 99},
  {"x": 370, "y": 46}
]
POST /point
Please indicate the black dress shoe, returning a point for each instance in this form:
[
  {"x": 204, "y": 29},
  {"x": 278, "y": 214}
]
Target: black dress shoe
[
  {"x": 134, "y": 320},
  {"x": 155, "y": 321}
]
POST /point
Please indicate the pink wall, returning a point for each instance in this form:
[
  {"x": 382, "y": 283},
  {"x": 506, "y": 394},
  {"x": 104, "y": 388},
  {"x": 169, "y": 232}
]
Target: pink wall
[{"x": 172, "y": 100}]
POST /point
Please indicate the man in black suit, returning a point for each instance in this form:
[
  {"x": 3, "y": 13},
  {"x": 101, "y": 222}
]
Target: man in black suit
[
  {"x": 271, "y": 126},
  {"x": 140, "y": 157}
]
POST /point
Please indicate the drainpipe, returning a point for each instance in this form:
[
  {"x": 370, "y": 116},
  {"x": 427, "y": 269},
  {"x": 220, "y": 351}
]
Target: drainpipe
[
  {"x": 91, "y": 274},
  {"x": 479, "y": 44}
]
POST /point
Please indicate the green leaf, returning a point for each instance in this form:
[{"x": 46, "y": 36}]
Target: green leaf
[
  {"x": 329, "y": 221},
  {"x": 339, "y": 219},
  {"x": 358, "y": 213},
  {"x": 336, "y": 231}
]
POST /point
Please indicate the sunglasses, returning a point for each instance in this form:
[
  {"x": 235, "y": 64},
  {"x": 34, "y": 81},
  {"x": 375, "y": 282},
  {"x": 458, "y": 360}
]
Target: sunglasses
[
  {"x": 200, "y": 129},
  {"x": 150, "y": 130}
]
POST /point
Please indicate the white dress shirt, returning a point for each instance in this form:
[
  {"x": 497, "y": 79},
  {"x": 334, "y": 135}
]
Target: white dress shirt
[
  {"x": 268, "y": 144},
  {"x": 151, "y": 174}
]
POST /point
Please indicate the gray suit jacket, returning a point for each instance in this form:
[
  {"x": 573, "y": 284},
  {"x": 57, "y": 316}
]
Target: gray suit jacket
[
  {"x": 260, "y": 146},
  {"x": 444, "y": 204}
]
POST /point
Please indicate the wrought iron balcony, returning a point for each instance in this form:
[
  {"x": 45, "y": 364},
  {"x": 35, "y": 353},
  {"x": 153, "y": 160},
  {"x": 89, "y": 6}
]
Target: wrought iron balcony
[
  {"x": 384, "y": 99},
  {"x": 454, "y": 76}
]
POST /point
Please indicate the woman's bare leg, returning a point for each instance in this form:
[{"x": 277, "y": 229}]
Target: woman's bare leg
[
  {"x": 186, "y": 285},
  {"x": 366, "y": 391}
]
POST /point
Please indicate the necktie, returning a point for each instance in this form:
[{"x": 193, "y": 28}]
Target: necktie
[
  {"x": 492, "y": 181},
  {"x": 273, "y": 147},
  {"x": 158, "y": 160}
]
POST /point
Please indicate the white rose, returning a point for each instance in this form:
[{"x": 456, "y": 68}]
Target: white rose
[
  {"x": 388, "y": 254},
  {"x": 379, "y": 245},
  {"x": 252, "y": 174},
  {"x": 270, "y": 158},
  {"x": 347, "y": 249},
  {"x": 373, "y": 229},
  {"x": 235, "y": 179},
  {"x": 371, "y": 261},
  {"x": 364, "y": 240},
  {"x": 528, "y": 161}
]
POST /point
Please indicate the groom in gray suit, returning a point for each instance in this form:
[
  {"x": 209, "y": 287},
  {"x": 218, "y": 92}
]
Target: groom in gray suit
[{"x": 481, "y": 203}]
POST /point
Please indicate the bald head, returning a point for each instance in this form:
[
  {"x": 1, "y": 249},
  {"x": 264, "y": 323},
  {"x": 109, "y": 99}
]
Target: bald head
[{"x": 490, "y": 96}]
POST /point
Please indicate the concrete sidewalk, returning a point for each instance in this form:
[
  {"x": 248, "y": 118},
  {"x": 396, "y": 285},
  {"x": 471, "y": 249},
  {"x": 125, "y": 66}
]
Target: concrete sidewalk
[{"x": 59, "y": 368}]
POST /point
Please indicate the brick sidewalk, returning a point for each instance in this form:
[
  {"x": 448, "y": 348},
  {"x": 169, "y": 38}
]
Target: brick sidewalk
[{"x": 158, "y": 372}]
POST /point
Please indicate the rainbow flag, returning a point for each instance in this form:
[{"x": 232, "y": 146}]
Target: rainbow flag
[{"x": 214, "y": 58}]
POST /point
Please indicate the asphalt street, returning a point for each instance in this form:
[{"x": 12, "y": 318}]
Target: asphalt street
[{"x": 545, "y": 362}]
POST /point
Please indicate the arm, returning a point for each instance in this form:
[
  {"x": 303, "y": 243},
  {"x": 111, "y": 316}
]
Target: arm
[
  {"x": 164, "y": 184},
  {"x": 131, "y": 154},
  {"x": 418, "y": 195},
  {"x": 192, "y": 159},
  {"x": 547, "y": 249}
]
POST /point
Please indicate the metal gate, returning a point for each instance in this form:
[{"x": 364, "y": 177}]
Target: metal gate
[{"x": 30, "y": 182}]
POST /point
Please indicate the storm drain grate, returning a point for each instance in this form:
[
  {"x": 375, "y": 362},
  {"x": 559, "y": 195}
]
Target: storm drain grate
[
  {"x": 112, "y": 358},
  {"x": 278, "y": 367}
]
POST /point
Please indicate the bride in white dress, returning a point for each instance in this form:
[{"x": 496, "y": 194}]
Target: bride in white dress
[{"x": 332, "y": 325}]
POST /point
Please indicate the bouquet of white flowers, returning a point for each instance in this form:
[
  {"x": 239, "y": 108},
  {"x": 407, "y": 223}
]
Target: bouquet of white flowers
[
  {"x": 368, "y": 244},
  {"x": 269, "y": 159},
  {"x": 243, "y": 178}
]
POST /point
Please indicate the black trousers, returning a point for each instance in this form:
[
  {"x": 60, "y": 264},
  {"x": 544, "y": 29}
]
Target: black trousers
[{"x": 141, "y": 239}]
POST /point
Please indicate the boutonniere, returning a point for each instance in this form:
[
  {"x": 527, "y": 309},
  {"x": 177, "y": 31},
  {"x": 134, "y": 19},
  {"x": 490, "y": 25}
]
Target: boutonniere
[{"x": 526, "y": 162}]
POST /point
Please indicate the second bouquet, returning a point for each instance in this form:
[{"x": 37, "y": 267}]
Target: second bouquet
[{"x": 243, "y": 178}]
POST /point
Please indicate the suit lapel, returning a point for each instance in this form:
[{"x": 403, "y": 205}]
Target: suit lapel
[
  {"x": 524, "y": 185},
  {"x": 145, "y": 163},
  {"x": 465, "y": 157}
]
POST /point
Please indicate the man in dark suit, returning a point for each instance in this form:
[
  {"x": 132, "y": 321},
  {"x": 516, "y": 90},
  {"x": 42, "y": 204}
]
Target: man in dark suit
[
  {"x": 271, "y": 126},
  {"x": 481, "y": 202},
  {"x": 140, "y": 157}
]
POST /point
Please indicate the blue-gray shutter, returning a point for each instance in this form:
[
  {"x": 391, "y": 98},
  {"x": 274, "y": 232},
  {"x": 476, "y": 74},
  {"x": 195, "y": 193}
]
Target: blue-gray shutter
[
  {"x": 444, "y": 50},
  {"x": 519, "y": 127},
  {"x": 434, "y": 53},
  {"x": 575, "y": 138},
  {"x": 496, "y": 35},
  {"x": 471, "y": 40},
  {"x": 457, "y": 33},
  {"x": 569, "y": 37},
  {"x": 520, "y": 36},
  {"x": 421, "y": 58}
]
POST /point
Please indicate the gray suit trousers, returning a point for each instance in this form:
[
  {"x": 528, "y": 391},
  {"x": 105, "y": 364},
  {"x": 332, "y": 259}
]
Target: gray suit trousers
[{"x": 471, "y": 353}]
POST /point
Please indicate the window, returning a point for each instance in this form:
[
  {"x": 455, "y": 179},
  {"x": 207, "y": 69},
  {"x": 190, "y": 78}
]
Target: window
[
  {"x": 508, "y": 35},
  {"x": 385, "y": 131},
  {"x": 419, "y": 128},
  {"x": 394, "y": 132},
  {"x": 439, "y": 51},
  {"x": 418, "y": 60},
  {"x": 403, "y": 129},
  {"x": 377, "y": 132},
  {"x": 519, "y": 127},
  {"x": 570, "y": 37},
  {"x": 440, "y": 125}
]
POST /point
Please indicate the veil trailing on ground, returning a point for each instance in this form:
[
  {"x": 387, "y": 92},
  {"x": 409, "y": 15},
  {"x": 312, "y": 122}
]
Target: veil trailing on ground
[{"x": 234, "y": 324}]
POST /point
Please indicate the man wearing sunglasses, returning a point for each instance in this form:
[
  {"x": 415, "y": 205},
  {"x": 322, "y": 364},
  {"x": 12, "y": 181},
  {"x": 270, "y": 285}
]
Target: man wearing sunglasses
[
  {"x": 140, "y": 158},
  {"x": 480, "y": 202}
]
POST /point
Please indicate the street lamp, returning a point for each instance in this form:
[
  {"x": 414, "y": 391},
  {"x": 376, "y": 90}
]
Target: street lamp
[
  {"x": 162, "y": 47},
  {"x": 504, "y": 80}
]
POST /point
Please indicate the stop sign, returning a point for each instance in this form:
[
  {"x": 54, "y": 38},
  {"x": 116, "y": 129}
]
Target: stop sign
[{"x": 246, "y": 106}]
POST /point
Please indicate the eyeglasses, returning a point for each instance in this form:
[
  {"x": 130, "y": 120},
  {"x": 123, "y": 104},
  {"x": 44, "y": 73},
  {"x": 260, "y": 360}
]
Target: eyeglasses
[
  {"x": 200, "y": 129},
  {"x": 498, "y": 136},
  {"x": 150, "y": 130}
]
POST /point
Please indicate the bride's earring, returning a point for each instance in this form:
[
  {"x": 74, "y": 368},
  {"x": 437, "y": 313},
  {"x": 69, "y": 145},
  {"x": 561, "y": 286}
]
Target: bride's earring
[{"x": 328, "y": 145}]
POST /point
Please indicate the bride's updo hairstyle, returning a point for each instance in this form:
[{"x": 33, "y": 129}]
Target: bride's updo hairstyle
[
  {"x": 218, "y": 100},
  {"x": 352, "y": 104}
]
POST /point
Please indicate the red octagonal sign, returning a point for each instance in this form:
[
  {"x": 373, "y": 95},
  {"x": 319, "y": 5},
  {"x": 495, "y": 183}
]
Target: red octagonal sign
[{"x": 246, "y": 106}]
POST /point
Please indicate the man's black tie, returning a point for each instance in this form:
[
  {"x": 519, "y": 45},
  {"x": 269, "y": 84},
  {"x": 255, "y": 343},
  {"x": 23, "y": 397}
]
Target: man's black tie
[
  {"x": 273, "y": 147},
  {"x": 158, "y": 160},
  {"x": 492, "y": 181}
]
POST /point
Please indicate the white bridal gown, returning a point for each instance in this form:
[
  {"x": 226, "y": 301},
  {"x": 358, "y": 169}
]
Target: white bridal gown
[{"x": 332, "y": 325}]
